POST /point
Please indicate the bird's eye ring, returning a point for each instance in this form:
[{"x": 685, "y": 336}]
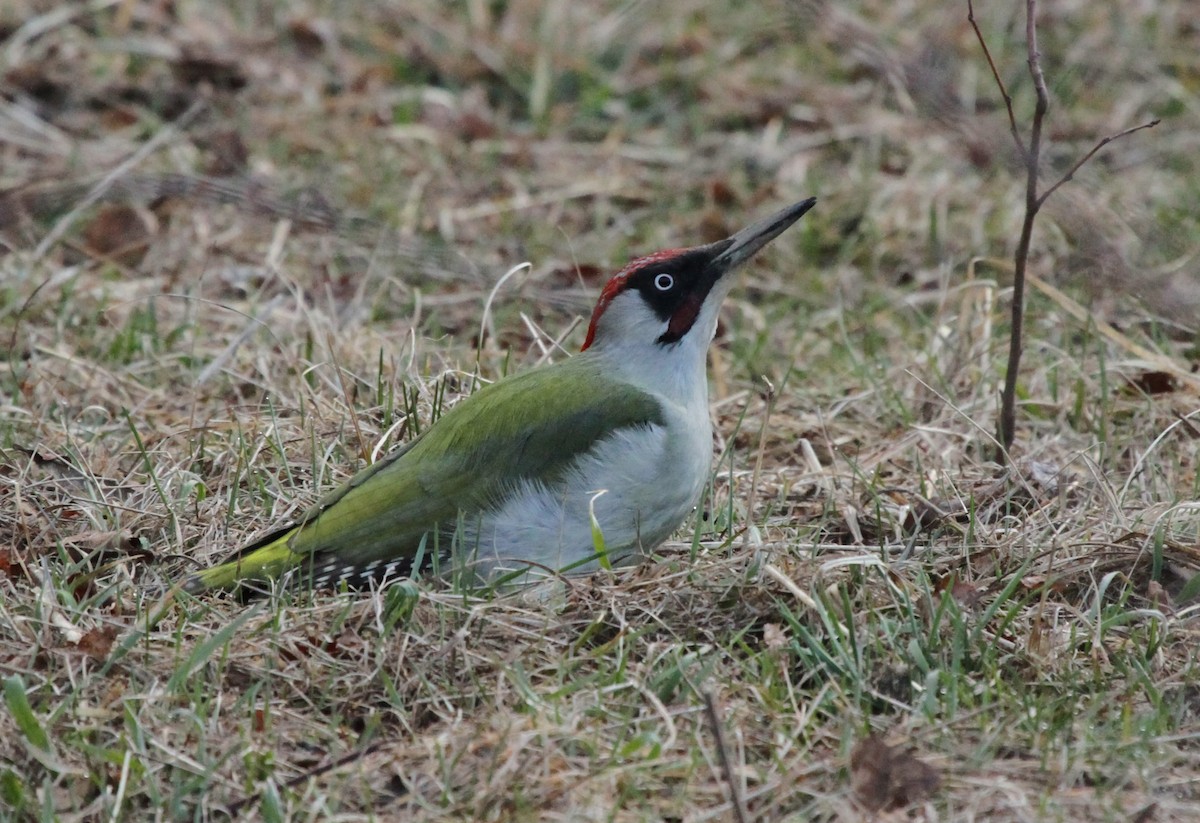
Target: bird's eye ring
[{"x": 664, "y": 282}]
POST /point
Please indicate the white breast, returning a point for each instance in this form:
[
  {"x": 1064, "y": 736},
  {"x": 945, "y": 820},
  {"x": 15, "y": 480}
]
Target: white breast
[{"x": 640, "y": 483}]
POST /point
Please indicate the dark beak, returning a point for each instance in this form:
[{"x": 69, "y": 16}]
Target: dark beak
[{"x": 750, "y": 240}]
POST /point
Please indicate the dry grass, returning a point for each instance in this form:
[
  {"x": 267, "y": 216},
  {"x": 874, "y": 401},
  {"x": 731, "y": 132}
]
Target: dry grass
[{"x": 188, "y": 364}]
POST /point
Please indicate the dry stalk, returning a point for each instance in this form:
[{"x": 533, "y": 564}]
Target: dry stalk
[
  {"x": 714, "y": 720},
  {"x": 363, "y": 449},
  {"x": 758, "y": 462}
]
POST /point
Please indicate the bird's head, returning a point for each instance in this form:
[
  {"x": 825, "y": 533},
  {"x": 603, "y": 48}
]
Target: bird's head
[{"x": 673, "y": 296}]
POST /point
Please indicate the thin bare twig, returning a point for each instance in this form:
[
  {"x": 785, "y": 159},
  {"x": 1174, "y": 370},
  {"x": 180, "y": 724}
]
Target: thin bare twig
[
  {"x": 1035, "y": 63},
  {"x": 1070, "y": 175},
  {"x": 1008, "y": 103},
  {"x": 1008, "y": 398},
  {"x": 714, "y": 720}
]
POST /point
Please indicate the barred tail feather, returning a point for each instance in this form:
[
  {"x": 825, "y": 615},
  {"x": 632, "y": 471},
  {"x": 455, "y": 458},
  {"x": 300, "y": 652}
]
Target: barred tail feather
[
  {"x": 272, "y": 558},
  {"x": 330, "y": 573}
]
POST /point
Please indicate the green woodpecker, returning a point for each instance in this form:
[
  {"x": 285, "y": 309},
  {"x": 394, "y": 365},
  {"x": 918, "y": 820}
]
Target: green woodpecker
[{"x": 600, "y": 456}]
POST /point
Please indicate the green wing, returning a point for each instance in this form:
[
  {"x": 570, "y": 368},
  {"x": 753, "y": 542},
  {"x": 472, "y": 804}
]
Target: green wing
[{"x": 516, "y": 428}]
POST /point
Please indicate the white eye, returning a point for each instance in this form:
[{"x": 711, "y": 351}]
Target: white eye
[{"x": 664, "y": 282}]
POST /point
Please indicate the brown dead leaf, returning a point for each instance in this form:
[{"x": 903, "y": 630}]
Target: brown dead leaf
[
  {"x": 97, "y": 643},
  {"x": 194, "y": 68},
  {"x": 1037, "y": 641},
  {"x": 885, "y": 777},
  {"x": 967, "y": 594},
  {"x": 117, "y": 116},
  {"x": 1154, "y": 382},
  {"x": 312, "y": 36},
  {"x": 119, "y": 232},
  {"x": 871, "y": 772},
  {"x": 721, "y": 193},
  {"x": 228, "y": 154},
  {"x": 1035, "y": 582}
]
